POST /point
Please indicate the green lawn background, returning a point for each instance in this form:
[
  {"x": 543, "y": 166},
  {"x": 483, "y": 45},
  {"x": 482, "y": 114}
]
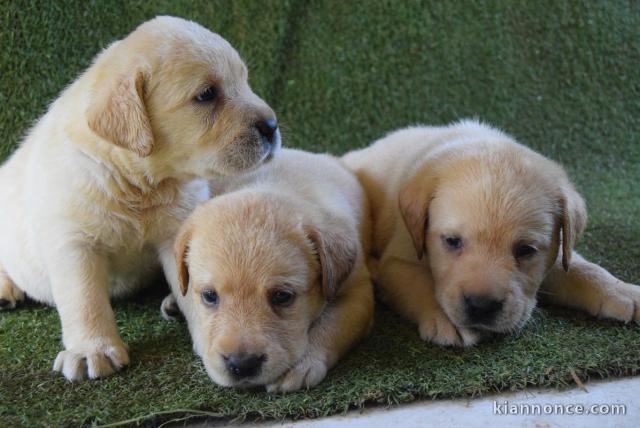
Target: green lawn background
[{"x": 562, "y": 76}]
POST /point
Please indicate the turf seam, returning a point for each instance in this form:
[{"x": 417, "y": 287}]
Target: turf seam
[{"x": 287, "y": 46}]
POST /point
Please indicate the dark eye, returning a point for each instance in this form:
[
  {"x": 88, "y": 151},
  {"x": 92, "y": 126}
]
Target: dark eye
[
  {"x": 210, "y": 297},
  {"x": 209, "y": 94},
  {"x": 524, "y": 251},
  {"x": 453, "y": 243},
  {"x": 282, "y": 298}
]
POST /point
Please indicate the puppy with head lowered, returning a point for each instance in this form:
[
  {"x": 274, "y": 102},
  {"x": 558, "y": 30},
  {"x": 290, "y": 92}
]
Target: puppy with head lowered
[
  {"x": 271, "y": 276},
  {"x": 108, "y": 174},
  {"x": 468, "y": 225}
]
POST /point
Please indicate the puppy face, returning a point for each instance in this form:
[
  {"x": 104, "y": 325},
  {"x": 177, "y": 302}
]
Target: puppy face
[
  {"x": 494, "y": 226},
  {"x": 177, "y": 95},
  {"x": 253, "y": 284}
]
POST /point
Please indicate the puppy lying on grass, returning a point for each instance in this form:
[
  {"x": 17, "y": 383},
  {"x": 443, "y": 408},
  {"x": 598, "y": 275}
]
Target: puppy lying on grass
[
  {"x": 271, "y": 277},
  {"x": 106, "y": 176},
  {"x": 468, "y": 224}
]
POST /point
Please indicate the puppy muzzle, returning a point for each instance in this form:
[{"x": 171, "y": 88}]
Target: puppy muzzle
[
  {"x": 271, "y": 145},
  {"x": 482, "y": 310}
]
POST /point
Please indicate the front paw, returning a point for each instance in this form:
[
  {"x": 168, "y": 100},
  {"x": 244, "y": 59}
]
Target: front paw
[
  {"x": 437, "y": 328},
  {"x": 622, "y": 304},
  {"x": 10, "y": 295},
  {"x": 95, "y": 359},
  {"x": 308, "y": 372}
]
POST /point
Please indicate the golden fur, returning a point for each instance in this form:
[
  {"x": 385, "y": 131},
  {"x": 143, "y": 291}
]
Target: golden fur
[
  {"x": 295, "y": 225},
  {"x": 107, "y": 175},
  {"x": 468, "y": 224}
]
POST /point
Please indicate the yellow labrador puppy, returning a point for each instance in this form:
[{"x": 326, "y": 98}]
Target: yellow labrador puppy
[
  {"x": 271, "y": 277},
  {"x": 468, "y": 224},
  {"x": 107, "y": 175}
]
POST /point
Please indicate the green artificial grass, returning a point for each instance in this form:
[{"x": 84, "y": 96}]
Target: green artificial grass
[{"x": 563, "y": 77}]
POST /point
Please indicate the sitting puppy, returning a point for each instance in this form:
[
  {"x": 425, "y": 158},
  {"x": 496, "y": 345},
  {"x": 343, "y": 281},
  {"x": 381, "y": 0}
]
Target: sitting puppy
[
  {"x": 271, "y": 277},
  {"x": 106, "y": 176},
  {"x": 468, "y": 224}
]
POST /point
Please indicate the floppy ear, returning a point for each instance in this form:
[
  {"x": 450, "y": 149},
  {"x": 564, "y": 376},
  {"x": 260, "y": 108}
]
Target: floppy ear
[
  {"x": 180, "y": 249},
  {"x": 117, "y": 111},
  {"x": 337, "y": 253},
  {"x": 414, "y": 203},
  {"x": 573, "y": 221}
]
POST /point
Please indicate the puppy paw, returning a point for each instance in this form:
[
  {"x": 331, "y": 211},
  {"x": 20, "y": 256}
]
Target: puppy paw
[
  {"x": 169, "y": 308},
  {"x": 438, "y": 329},
  {"x": 99, "y": 358},
  {"x": 623, "y": 304},
  {"x": 10, "y": 294},
  {"x": 307, "y": 373}
]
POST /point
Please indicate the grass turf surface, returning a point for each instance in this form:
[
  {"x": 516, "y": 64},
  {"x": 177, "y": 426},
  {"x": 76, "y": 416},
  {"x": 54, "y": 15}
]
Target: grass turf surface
[{"x": 562, "y": 77}]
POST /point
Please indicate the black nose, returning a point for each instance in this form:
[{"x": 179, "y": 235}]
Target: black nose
[
  {"x": 481, "y": 309},
  {"x": 243, "y": 365},
  {"x": 267, "y": 128}
]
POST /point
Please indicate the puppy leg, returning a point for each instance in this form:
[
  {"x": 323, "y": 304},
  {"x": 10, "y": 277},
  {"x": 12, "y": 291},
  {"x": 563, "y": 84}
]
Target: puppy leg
[
  {"x": 591, "y": 288},
  {"x": 169, "y": 308},
  {"x": 10, "y": 294},
  {"x": 344, "y": 321},
  {"x": 93, "y": 347},
  {"x": 409, "y": 290}
]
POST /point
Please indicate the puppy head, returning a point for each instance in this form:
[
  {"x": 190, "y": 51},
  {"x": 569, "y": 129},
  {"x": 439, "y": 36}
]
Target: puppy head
[
  {"x": 255, "y": 278},
  {"x": 492, "y": 224},
  {"x": 176, "y": 94}
]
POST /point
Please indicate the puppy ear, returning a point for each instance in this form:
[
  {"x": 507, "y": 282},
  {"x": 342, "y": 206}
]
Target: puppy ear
[
  {"x": 117, "y": 110},
  {"x": 180, "y": 249},
  {"x": 337, "y": 253},
  {"x": 414, "y": 203},
  {"x": 573, "y": 220}
]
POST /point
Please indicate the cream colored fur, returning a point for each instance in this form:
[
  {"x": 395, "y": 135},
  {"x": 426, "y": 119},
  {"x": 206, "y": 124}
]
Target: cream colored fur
[
  {"x": 473, "y": 182},
  {"x": 110, "y": 171},
  {"x": 297, "y": 225}
]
